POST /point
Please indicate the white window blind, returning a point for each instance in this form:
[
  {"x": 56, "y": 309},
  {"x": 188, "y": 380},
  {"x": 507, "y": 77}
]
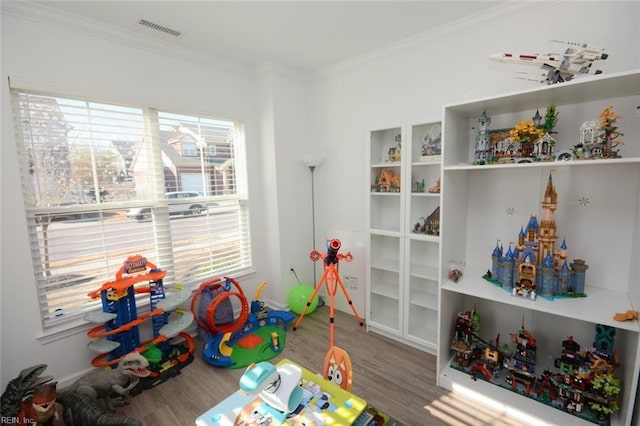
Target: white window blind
[{"x": 88, "y": 168}]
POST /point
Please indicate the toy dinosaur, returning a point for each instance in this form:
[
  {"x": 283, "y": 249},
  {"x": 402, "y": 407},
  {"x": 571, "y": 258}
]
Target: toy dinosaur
[
  {"x": 41, "y": 408},
  {"x": 81, "y": 410},
  {"x": 20, "y": 388},
  {"x": 102, "y": 383}
]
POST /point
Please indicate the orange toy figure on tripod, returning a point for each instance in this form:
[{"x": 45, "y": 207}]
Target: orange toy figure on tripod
[{"x": 332, "y": 279}]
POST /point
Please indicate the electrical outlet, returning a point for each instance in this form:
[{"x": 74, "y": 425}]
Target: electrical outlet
[{"x": 291, "y": 267}]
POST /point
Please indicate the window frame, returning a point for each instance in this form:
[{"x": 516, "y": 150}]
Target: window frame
[{"x": 53, "y": 329}]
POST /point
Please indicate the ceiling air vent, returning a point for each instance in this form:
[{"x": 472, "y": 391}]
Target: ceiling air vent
[{"x": 159, "y": 27}]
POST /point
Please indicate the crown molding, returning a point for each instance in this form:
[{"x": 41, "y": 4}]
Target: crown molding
[
  {"x": 460, "y": 26},
  {"x": 43, "y": 14}
]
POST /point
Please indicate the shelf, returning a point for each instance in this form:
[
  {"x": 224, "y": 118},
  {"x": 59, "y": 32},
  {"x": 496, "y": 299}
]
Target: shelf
[
  {"x": 388, "y": 265},
  {"x": 424, "y": 237},
  {"x": 425, "y": 163},
  {"x": 553, "y": 164},
  {"x": 424, "y": 272},
  {"x": 594, "y": 208},
  {"x": 385, "y": 232},
  {"x": 587, "y": 89},
  {"x": 423, "y": 299},
  {"x": 383, "y": 165},
  {"x": 512, "y": 404},
  {"x": 425, "y": 194},
  {"x": 402, "y": 290},
  {"x": 385, "y": 290},
  {"x": 598, "y": 307}
]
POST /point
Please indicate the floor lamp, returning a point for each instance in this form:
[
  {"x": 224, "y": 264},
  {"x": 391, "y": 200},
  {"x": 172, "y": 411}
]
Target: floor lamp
[{"x": 312, "y": 163}]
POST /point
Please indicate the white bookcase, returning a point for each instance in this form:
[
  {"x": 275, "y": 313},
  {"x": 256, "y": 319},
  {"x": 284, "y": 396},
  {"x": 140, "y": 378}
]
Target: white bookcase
[
  {"x": 598, "y": 215},
  {"x": 403, "y": 265}
]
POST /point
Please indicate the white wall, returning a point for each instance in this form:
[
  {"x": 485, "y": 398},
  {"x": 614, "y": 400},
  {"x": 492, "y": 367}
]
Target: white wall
[
  {"x": 73, "y": 62},
  {"x": 286, "y": 118},
  {"x": 411, "y": 84}
]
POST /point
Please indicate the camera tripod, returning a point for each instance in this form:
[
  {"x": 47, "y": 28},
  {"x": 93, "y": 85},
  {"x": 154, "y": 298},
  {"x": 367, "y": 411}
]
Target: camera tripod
[{"x": 331, "y": 278}]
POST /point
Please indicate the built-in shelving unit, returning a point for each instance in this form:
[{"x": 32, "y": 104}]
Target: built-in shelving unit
[
  {"x": 598, "y": 215},
  {"x": 404, "y": 264}
]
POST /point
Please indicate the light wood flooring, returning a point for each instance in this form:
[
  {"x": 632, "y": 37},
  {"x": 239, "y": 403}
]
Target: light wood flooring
[{"x": 390, "y": 376}]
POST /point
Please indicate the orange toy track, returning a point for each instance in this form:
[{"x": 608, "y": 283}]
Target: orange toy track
[
  {"x": 100, "y": 363},
  {"x": 96, "y": 331},
  {"x": 124, "y": 283},
  {"x": 215, "y": 284}
]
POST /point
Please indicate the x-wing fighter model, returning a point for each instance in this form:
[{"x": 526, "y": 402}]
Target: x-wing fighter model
[{"x": 576, "y": 60}]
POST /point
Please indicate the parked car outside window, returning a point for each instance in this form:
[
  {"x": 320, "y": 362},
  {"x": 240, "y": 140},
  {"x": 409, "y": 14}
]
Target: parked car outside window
[{"x": 180, "y": 203}]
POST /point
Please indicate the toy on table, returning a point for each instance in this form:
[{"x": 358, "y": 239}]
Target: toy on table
[
  {"x": 330, "y": 277},
  {"x": 170, "y": 348},
  {"x": 256, "y": 334},
  {"x": 321, "y": 403},
  {"x": 277, "y": 387}
]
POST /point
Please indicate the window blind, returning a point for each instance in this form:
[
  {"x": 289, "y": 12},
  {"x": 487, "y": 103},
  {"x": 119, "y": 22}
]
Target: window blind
[{"x": 87, "y": 167}]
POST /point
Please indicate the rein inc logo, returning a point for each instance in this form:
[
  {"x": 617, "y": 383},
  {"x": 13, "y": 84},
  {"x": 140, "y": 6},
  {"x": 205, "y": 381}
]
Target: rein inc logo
[{"x": 16, "y": 420}]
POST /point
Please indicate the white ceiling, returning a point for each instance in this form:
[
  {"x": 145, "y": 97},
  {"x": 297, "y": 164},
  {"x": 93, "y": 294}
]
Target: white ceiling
[{"x": 304, "y": 35}]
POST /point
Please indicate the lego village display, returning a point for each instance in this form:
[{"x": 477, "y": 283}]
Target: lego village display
[
  {"x": 584, "y": 384},
  {"x": 534, "y": 267},
  {"x": 529, "y": 141},
  {"x": 533, "y": 141}
]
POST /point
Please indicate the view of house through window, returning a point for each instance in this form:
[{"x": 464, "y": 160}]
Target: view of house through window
[{"x": 102, "y": 182}]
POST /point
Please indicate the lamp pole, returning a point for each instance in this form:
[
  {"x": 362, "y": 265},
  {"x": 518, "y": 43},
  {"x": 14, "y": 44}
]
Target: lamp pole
[{"x": 313, "y": 220}]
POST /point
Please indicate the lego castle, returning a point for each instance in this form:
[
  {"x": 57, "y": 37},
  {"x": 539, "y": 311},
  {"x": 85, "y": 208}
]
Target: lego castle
[{"x": 533, "y": 266}]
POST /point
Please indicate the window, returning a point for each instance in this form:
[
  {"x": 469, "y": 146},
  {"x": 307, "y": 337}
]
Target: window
[{"x": 102, "y": 182}]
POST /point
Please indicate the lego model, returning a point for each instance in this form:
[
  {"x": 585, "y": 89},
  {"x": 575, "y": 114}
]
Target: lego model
[
  {"x": 431, "y": 149},
  {"x": 430, "y": 224},
  {"x": 534, "y": 267},
  {"x": 599, "y": 138},
  {"x": 529, "y": 140},
  {"x": 577, "y": 60},
  {"x": 483, "y": 151},
  {"x": 388, "y": 181},
  {"x": 522, "y": 362},
  {"x": 584, "y": 384}
]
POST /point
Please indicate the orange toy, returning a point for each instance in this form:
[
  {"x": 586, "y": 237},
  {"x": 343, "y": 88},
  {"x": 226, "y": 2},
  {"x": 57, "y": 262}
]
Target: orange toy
[
  {"x": 337, "y": 368},
  {"x": 332, "y": 279},
  {"x": 626, "y": 316}
]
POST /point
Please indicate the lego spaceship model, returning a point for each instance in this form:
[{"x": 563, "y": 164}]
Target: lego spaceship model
[{"x": 577, "y": 60}]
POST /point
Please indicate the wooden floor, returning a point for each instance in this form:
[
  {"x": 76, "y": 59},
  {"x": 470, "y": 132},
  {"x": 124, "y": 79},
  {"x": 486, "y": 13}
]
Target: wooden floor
[{"x": 390, "y": 376}]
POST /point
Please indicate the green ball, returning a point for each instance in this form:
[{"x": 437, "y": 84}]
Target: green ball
[{"x": 298, "y": 298}]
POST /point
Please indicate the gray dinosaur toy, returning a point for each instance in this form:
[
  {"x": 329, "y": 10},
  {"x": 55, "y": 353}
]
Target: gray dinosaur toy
[
  {"x": 102, "y": 383},
  {"x": 81, "y": 410}
]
